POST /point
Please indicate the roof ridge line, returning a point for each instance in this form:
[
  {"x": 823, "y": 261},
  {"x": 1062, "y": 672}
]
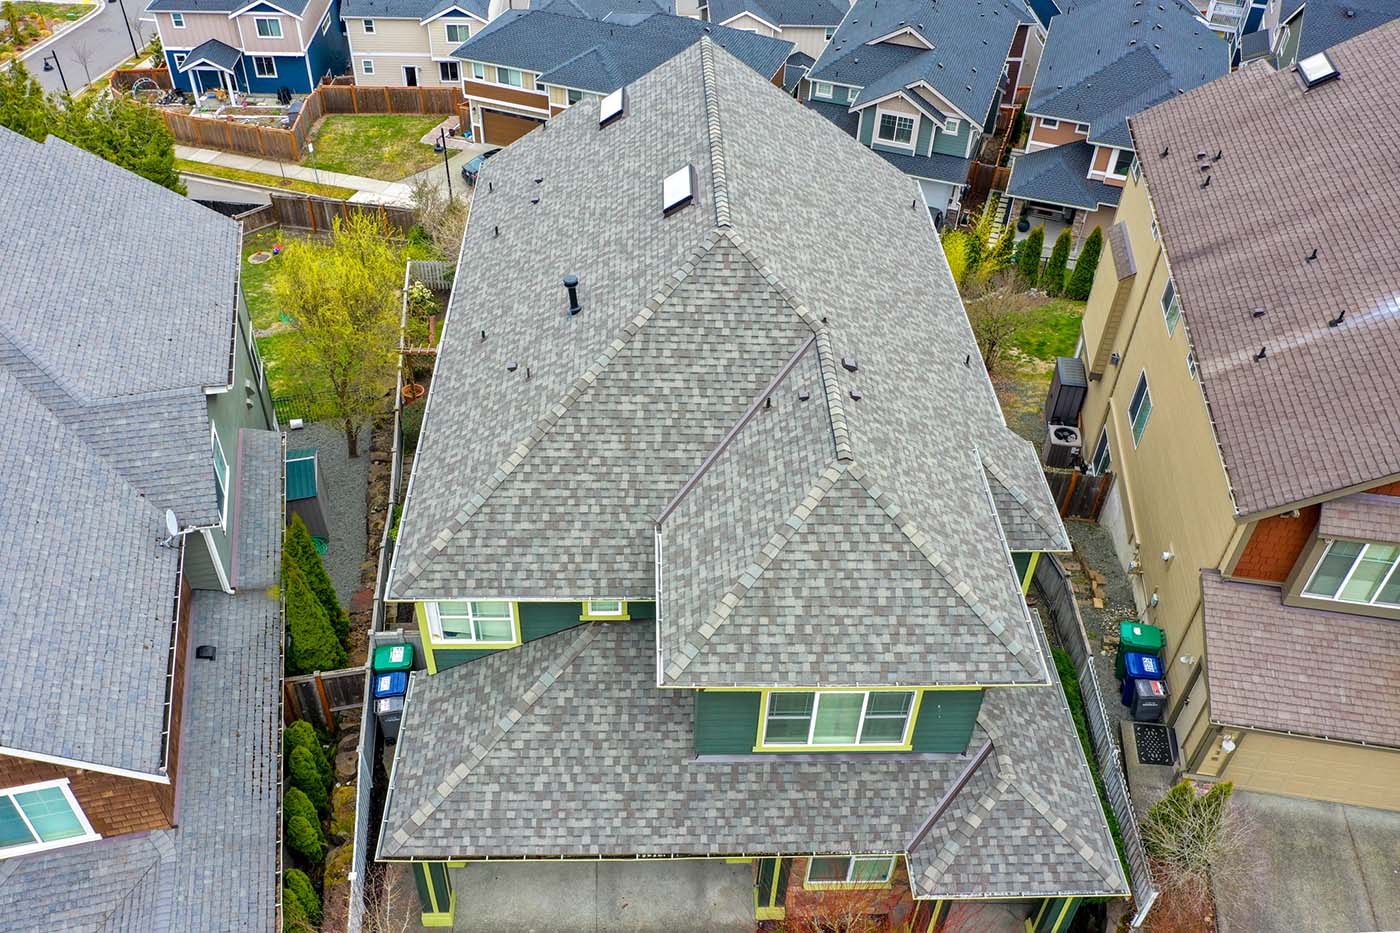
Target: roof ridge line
[
  {"x": 924, "y": 544},
  {"x": 1065, "y": 831},
  {"x": 816, "y": 492},
  {"x": 542, "y": 425},
  {"x": 1021, "y": 498},
  {"x": 719, "y": 180},
  {"x": 943, "y": 859},
  {"x": 478, "y": 751}
]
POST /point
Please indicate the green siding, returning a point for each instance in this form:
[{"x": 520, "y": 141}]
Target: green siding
[
  {"x": 199, "y": 568},
  {"x": 451, "y": 657},
  {"x": 921, "y": 145},
  {"x": 726, "y": 723},
  {"x": 540, "y": 619},
  {"x": 301, "y": 473},
  {"x": 1022, "y": 560},
  {"x": 867, "y": 125},
  {"x": 641, "y": 611},
  {"x": 946, "y": 719},
  {"x": 954, "y": 144}
]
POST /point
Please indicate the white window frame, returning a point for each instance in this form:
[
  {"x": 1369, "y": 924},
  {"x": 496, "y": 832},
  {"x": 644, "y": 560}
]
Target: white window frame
[
  {"x": 1351, "y": 571},
  {"x": 904, "y": 741},
  {"x": 807, "y": 882},
  {"x": 1113, "y": 160},
  {"x": 478, "y": 71},
  {"x": 1191, "y": 365},
  {"x": 273, "y": 22},
  {"x": 366, "y": 66},
  {"x": 1171, "y": 307},
  {"x": 258, "y": 72},
  {"x": 368, "y": 26},
  {"x": 591, "y": 610},
  {"x": 222, "y": 481},
  {"x": 572, "y": 96},
  {"x": 1146, "y": 400},
  {"x": 447, "y": 31},
  {"x": 913, "y": 128},
  {"x": 502, "y": 71},
  {"x": 179, "y": 58},
  {"x": 435, "y": 624},
  {"x": 952, "y": 125},
  {"x": 830, "y": 31},
  {"x": 822, "y": 89},
  {"x": 89, "y": 834},
  {"x": 1082, "y": 128},
  {"x": 326, "y": 23},
  {"x": 177, "y": 20},
  {"x": 1103, "y": 452},
  {"x": 1135, "y": 171},
  {"x": 1049, "y": 123},
  {"x": 456, "y": 66}
]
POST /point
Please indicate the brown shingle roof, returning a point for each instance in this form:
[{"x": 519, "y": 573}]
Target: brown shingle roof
[
  {"x": 1299, "y": 170},
  {"x": 1361, "y": 517},
  {"x": 1291, "y": 669}
]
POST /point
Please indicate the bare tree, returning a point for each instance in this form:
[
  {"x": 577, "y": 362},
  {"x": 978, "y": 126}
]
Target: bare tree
[
  {"x": 1196, "y": 838},
  {"x": 387, "y": 908},
  {"x": 83, "y": 53},
  {"x": 998, "y": 311},
  {"x": 444, "y": 218}
]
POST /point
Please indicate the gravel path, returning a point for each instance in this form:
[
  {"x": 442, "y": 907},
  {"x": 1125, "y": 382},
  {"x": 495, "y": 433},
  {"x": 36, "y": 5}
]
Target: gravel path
[{"x": 343, "y": 497}]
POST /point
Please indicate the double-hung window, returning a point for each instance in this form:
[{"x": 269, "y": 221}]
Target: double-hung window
[
  {"x": 220, "y": 474},
  {"x": 1352, "y": 572},
  {"x": 1171, "y": 307},
  {"x": 1102, "y": 460},
  {"x": 367, "y": 66},
  {"x": 850, "y": 869},
  {"x": 268, "y": 28},
  {"x": 1140, "y": 408},
  {"x": 574, "y": 96},
  {"x": 368, "y": 25},
  {"x": 821, "y": 89},
  {"x": 838, "y": 718},
  {"x": 265, "y": 66},
  {"x": 448, "y": 73},
  {"x": 510, "y": 76},
  {"x": 478, "y": 71},
  {"x": 177, "y": 20},
  {"x": 479, "y": 621},
  {"x": 951, "y": 125},
  {"x": 458, "y": 32},
  {"x": 895, "y": 128},
  {"x": 1122, "y": 162},
  {"x": 41, "y": 816}
]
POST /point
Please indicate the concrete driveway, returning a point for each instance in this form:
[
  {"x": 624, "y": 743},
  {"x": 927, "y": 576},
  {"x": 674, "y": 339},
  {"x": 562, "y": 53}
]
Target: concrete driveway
[
  {"x": 1322, "y": 868},
  {"x": 604, "y": 897}
]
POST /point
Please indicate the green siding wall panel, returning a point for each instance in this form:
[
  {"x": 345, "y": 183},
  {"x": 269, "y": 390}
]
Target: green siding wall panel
[
  {"x": 867, "y": 125},
  {"x": 1022, "y": 560},
  {"x": 641, "y": 610},
  {"x": 921, "y": 145},
  {"x": 946, "y": 720},
  {"x": 451, "y": 657},
  {"x": 954, "y": 144},
  {"x": 540, "y": 619},
  {"x": 726, "y": 723}
]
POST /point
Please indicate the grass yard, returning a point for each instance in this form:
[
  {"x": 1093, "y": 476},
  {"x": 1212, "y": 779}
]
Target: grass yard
[
  {"x": 269, "y": 181},
  {"x": 257, "y": 291},
  {"x": 1053, "y": 331},
  {"x": 381, "y": 146}
]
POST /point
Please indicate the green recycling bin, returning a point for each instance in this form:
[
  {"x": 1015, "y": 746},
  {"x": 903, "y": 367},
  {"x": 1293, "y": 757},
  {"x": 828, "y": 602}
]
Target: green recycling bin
[
  {"x": 1141, "y": 638},
  {"x": 393, "y": 658}
]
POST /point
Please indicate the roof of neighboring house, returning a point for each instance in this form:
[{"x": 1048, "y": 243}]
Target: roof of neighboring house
[
  {"x": 496, "y": 516},
  {"x": 1328, "y": 22},
  {"x": 970, "y": 44},
  {"x": 1028, "y": 823},
  {"x": 410, "y": 9},
  {"x": 1228, "y": 256},
  {"x": 598, "y": 55},
  {"x": 795, "y": 69},
  {"x": 1361, "y": 516},
  {"x": 294, "y": 7},
  {"x": 935, "y": 167},
  {"x": 781, "y": 12},
  {"x": 218, "y": 869},
  {"x": 1061, "y": 176},
  {"x": 1107, "y": 60},
  {"x": 610, "y": 10},
  {"x": 1291, "y": 669},
  {"x": 212, "y": 52}
]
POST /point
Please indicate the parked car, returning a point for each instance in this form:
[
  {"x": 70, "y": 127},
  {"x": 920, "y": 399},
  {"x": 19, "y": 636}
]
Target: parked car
[{"x": 473, "y": 168}]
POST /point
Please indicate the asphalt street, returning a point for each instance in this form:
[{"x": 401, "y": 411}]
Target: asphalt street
[{"x": 91, "y": 48}]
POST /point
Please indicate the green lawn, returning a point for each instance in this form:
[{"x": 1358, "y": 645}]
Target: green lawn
[
  {"x": 257, "y": 291},
  {"x": 1053, "y": 330},
  {"x": 270, "y": 181},
  {"x": 385, "y": 146}
]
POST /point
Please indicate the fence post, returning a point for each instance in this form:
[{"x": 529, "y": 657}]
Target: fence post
[
  {"x": 326, "y": 712},
  {"x": 291, "y": 705},
  {"x": 355, "y": 98}
]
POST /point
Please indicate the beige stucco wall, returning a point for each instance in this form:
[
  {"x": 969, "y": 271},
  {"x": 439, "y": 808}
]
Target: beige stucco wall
[
  {"x": 1277, "y": 764},
  {"x": 390, "y": 37},
  {"x": 199, "y": 28},
  {"x": 1172, "y": 486}
]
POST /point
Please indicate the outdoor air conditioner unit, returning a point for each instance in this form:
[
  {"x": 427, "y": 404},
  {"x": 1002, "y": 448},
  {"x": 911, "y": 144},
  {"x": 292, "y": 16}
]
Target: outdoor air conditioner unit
[{"x": 1062, "y": 445}]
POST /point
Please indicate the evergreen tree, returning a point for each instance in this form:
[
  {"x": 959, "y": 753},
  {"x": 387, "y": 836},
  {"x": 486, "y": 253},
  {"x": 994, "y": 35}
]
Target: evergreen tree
[
  {"x": 1052, "y": 281},
  {"x": 314, "y": 644},
  {"x": 301, "y": 734},
  {"x": 1081, "y": 280},
  {"x": 303, "y": 774},
  {"x": 303, "y": 551},
  {"x": 305, "y": 838},
  {"x": 295, "y": 885},
  {"x": 24, "y": 107},
  {"x": 1028, "y": 257},
  {"x": 296, "y": 803},
  {"x": 1000, "y": 256}
]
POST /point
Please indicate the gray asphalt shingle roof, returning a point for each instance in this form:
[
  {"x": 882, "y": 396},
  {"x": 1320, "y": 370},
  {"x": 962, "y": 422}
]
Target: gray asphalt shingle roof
[
  {"x": 410, "y": 9},
  {"x": 213, "y": 52},
  {"x": 572, "y": 465},
  {"x": 552, "y": 709},
  {"x": 217, "y": 871},
  {"x": 781, "y": 12},
  {"x": 970, "y": 43},
  {"x": 1279, "y": 145},
  {"x": 935, "y": 167},
  {"x": 1107, "y": 60},
  {"x": 1328, "y": 22},
  {"x": 1061, "y": 176},
  {"x": 295, "y": 7}
]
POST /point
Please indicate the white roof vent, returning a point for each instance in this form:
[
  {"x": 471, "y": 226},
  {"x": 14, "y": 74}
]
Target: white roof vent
[
  {"x": 612, "y": 106},
  {"x": 678, "y": 189},
  {"x": 1317, "y": 69}
]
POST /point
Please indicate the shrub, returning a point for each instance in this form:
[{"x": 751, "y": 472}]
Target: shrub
[
  {"x": 1028, "y": 257},
  {"x": 1081, "y": 280},
  {"x": 301, "y": 734},
  {"x": 955, "y": 248},
  {"x": 296, "y": 803},
  {"x": 1052, "y": 280},
  {"x": 305, "y": 839},
  {"x": 294, "y": 918},
  {"x": 297, "y": 886},
  {"x": 1000, "y": 256},
  {"x": 298, "y": 544},
  {"x": 303, "y": 774},
  {"x": 411, "y": 425},
  {"x": 315, "y": 646}
]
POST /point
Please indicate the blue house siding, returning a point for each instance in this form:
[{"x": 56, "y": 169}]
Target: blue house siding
[{"x": 329, "y": 50}]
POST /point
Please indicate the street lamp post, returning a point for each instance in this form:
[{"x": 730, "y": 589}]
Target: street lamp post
[
  {"x": 56, "y": 64},
  {"x": 446, "y": 167},
  {"x": 127, "y": 23}
]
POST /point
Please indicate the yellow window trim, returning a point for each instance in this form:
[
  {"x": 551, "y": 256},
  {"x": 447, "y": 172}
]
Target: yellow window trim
[
  {"x": 759, "y": 746},
  {"x": 432, "y": 643},
  {"x": 588, "y": 616},
  {"x": 1030, "y": 572}
]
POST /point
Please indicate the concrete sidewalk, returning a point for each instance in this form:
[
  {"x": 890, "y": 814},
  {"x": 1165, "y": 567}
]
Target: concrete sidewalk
[
  {"x": 367, "y": 190},
  {"x": 1318, "y": 868}
]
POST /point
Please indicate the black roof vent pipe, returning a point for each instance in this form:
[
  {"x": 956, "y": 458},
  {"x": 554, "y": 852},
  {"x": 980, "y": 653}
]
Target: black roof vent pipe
[{"x": 571, "y": 283}]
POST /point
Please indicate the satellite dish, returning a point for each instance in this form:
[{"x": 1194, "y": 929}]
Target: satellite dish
[{"x": 172, "y": 524}]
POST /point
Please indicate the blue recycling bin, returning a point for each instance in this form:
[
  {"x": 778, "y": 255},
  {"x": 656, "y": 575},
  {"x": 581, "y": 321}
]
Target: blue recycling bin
[
  {"x": 390, "y": 684},
  {"x": 1137, "y": 666}
]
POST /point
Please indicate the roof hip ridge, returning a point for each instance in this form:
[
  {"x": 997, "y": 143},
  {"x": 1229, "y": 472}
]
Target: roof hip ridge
[
  {"x": 719, "y": 180},
  {"x": 1001, "y": 476}
]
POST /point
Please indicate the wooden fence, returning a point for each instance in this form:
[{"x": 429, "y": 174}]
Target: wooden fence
[
  {"x": 123, "y": 78},
  {"x": 317, "y": 215},
  {"x": 318, "y": 697},
  {"x": 289, "y": 144},
  {"x": 1079, "y": 495}
]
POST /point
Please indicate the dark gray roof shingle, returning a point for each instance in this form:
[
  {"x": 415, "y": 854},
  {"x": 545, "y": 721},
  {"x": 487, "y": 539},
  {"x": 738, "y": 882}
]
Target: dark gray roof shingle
[
  {"x": 212, "y": 52},
  {"x": 781, "y": 12},
  {"x": 294, "y": 7},
  {"x": 411, "y": 9},
  {"x": 1228, "y": 256},
  {"x": 1061, "y": 176},
  {"x": 1328, "y": 22}
]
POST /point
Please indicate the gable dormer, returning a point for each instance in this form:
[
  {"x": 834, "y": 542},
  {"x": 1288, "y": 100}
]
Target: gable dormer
[{"x": 906, "y": 36}]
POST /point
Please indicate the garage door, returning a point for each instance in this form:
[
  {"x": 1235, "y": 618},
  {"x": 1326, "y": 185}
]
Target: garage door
[{"x": 502, "y": 129}]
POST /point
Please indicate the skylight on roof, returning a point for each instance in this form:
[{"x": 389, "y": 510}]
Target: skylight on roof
[
  {"x": 1317, "y": 69},
  {"x": 612, "y": 106},
  {"x": 678, "y": 189}
]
